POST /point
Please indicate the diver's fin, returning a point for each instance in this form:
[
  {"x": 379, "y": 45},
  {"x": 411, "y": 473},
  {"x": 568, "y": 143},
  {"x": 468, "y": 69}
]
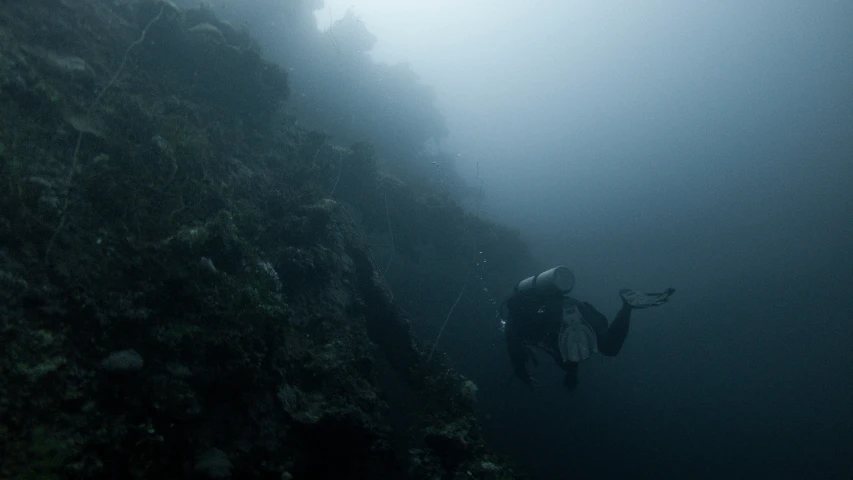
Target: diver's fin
[{"x": 644, "y": 300}]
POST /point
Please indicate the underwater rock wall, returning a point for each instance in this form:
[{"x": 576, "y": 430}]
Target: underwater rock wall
[{"x": 180, "y": 296}]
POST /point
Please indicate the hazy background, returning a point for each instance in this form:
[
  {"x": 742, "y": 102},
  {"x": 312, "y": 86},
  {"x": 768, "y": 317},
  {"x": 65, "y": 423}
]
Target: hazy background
[
  {"x": 696, "y": 132},
  {"x": 703, "y": 145}
]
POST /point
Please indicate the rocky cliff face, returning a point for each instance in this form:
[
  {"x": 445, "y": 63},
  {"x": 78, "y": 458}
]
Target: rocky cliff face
[{"x": 182, "y": 294}]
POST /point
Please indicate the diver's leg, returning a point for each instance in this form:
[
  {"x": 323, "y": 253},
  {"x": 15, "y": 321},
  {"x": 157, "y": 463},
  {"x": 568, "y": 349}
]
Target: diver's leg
[
  {"x": 617, "y": 332},
  {"x": 570, "y": 380}
]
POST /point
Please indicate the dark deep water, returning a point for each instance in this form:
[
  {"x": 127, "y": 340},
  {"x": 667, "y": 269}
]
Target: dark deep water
[
  {"x": 748, "y": 387},
  {"x": 731, "y": 381}
]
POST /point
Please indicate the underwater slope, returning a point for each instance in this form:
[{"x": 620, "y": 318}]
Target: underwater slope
[{"x": 180, "y": 295}]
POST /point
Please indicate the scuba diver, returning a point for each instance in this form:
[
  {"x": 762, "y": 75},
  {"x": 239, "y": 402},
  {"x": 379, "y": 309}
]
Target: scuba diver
[{"x": 543, "y": 315}]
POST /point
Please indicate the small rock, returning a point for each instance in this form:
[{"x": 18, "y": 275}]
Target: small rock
[
  {"x": 40, "y": 182},
  {"x": 207, "y": 266},
  {"x": 160, "y": 143},
  {"x": 86, "y": 124},
  {"x": 64, "y": 63},
  {"x": 213, "y": 464},
  {"x": 68, "y": 63},
  {"x": 125, "y": 361},
  {"x": 180, "y": 371}
]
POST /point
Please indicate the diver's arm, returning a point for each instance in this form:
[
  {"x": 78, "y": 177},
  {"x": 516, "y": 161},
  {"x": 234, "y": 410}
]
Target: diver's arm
[
  {"x": 610, "y": 338},
  {"x": 594, "y": 319}
]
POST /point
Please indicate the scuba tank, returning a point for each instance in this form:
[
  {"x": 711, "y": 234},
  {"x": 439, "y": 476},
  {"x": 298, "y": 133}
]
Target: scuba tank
[
  {"x": 576, "y": 340},
  {"x": 559, "y": 278}
]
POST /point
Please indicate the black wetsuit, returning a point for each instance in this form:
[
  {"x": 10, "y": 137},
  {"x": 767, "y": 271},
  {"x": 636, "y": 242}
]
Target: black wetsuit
[{"x": 535, "y": 320}]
